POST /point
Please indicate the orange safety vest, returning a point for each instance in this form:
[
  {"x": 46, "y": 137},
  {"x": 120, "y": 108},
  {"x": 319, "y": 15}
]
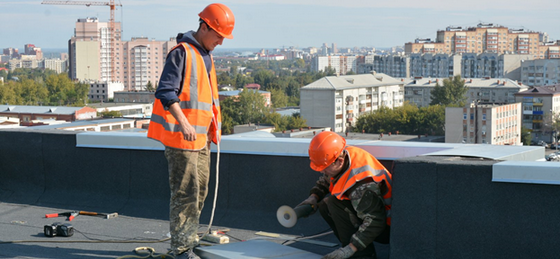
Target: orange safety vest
[
  {"x": 199, "y": 102},
  {"x": 363, "y": 165}
]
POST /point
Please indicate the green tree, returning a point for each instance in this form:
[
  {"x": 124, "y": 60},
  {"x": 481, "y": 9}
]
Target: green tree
[
  {"x": 242, "y": 80},
  {"x": 434, "y": 120},
  {"x": 263, "y": 77},
  {"x": 7, "y": 93},
  {"x": 110, "y": 114},
  {"x": 279, "y": 122},
  {"x": 452, "y": 93},
  {"x": 296, "y": 122},
  {"x": 225, "y": 79},
  {"x": 278, "y": 98},
  {"x": 231, "y": 115},
  {"x": 407, "y": 119},
  {"x": 150, "y": 87},
  {"x": 251, "y": 105},
  {"x": 300, "y": 63},
  {"x": 526, "y": 136}
]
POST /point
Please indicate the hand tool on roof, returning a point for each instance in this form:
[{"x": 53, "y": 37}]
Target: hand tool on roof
[
  {"x": 70, "y": 215},
  {"x": 107, "y": 216},
  {"x": 288, "y": 217}
]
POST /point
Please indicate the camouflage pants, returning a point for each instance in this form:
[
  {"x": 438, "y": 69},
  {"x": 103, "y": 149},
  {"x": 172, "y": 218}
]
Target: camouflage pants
[{"x": 188, "y": 181}]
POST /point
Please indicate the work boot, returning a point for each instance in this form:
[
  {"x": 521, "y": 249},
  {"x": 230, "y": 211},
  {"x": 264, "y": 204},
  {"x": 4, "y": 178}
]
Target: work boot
[{"x": 189, "y": 254}]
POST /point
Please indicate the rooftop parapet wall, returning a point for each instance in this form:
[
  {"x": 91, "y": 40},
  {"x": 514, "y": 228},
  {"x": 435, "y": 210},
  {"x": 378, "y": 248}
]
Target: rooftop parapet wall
[
  {"x": 450, "y": 207},
  {"x": 444, "y": 205}
]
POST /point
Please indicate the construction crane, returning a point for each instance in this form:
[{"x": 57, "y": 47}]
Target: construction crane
[{"x": 112, "y": 5}]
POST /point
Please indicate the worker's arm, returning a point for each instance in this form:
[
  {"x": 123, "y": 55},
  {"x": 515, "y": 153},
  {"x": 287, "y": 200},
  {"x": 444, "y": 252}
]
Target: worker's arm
[
  {"x": 370, "y": 208},
  {"x": 187, "y": 129},
  {"x": 321, "y": 188},
  {"x": 171, "y": 80}
]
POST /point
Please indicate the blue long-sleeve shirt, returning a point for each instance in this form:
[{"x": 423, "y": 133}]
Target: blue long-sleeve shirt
[{"x": 172, "y": 76}]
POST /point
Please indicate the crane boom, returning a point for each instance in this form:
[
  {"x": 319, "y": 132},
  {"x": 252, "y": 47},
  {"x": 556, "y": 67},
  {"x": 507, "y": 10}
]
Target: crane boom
[
  {"x": 112, "y": 6},
  {"x": 86, "y": 3}
]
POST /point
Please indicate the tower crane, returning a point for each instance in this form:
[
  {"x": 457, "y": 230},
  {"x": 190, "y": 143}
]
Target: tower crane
[{"x": 112, "y": 6}]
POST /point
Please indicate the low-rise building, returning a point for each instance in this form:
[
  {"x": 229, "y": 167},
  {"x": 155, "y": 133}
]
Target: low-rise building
[
  {"x": 484, "y": 124},
  {"x": 129, "y": 110},
  {"x": 486, "y": 90},
  {"x": 134, "y": 97},
  {"x": 103, "y": 91},
  {"x": 541, "y": 107},
  {"x": 337, "y": 101},
  {"x": 540, "y": 72},
  {"x": 235, "y": 93},
  {"x": 33, "y": 115}
]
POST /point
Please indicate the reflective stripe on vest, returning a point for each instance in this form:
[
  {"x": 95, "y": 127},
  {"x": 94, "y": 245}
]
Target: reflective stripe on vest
[
  {"x": 197, "y": 103},
  {"x": 363, "y": 165}
]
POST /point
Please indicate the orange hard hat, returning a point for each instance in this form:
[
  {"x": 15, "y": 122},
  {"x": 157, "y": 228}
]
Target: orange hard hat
[
  {"x": 220, "y": 18},
  {"x": 324, "y": 149}
]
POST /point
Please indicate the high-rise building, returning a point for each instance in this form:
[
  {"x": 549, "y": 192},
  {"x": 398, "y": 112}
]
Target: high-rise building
[
  {"x": 136, "y": 62},
  {"x": 484, "y": 38},
  {"x": 341, "y": 64},
  {"x": 140, "y": 61},
  {"x": 90, "y": 51}
]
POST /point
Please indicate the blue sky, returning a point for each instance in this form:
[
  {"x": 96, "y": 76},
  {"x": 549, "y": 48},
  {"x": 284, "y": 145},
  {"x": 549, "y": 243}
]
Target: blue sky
[{"x": 278, "y": 23}]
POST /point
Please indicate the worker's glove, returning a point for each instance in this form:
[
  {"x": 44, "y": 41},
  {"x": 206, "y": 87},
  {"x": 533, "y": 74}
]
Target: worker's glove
[
  {"x": 341, "y": 253},
  {"x": 311, "y": 200}
]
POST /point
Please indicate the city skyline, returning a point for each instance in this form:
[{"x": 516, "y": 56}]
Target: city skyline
[{"x": 279, "y": 23}]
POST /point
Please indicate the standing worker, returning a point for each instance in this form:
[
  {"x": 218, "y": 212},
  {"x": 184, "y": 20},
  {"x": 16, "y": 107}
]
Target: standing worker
[
  {"x": 357, "y": 209},
  {"x": 186, "y": 118}
]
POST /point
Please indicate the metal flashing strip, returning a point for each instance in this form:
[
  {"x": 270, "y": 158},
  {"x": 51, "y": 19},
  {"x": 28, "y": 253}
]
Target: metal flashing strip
[
  {"x": 117, "y": 140},
  {"x": 526, "y": 172},
  {"x": 253, "y": 249},
  {"x": 494, "y": 152},
  {"x": 267, "y": 144}
]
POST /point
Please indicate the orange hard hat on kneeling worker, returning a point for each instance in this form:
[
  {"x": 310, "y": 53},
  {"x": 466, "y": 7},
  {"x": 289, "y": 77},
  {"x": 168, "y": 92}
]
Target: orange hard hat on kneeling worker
[
  {"x": 220, "y": 18},
  {"x": 324, "y": 149}
]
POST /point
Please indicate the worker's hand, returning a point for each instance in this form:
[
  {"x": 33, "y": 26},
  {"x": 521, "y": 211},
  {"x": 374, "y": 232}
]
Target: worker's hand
[
  {"x": 311, "y": 200},
  {"x": 189, "y": 133},
  {"x": 341, "y": 253}
]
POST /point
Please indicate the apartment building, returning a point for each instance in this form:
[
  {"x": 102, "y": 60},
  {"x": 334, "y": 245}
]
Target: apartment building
[
  {"x": 501, "y": 90},
  {"x": 392, "y": 65},
  {"x": 103, "y": 91},
  {"x": 484, "y": 124},
  {"x": 480, "y": 39},
  {"x": 540, "y": 72},
  {"x": 56, "y": 64},
  {"x": 441, "y": 65},
  {"x": 90, "y": 51},
  {"x": 492, "y": 65},
  {"x": 337, "y": 101},
  {"x": 140, "y": 61},
  {"x": 341, "y": 64},
  {"x": 136, "y": 62},
  {"x": 541, "y": 106},
  {"x": 24, "y": 61},
  {"x": 434, "y": 65}
]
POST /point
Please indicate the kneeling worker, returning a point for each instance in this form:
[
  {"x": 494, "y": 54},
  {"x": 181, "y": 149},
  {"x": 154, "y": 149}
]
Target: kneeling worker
[{"x": 358, "y": 207}]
